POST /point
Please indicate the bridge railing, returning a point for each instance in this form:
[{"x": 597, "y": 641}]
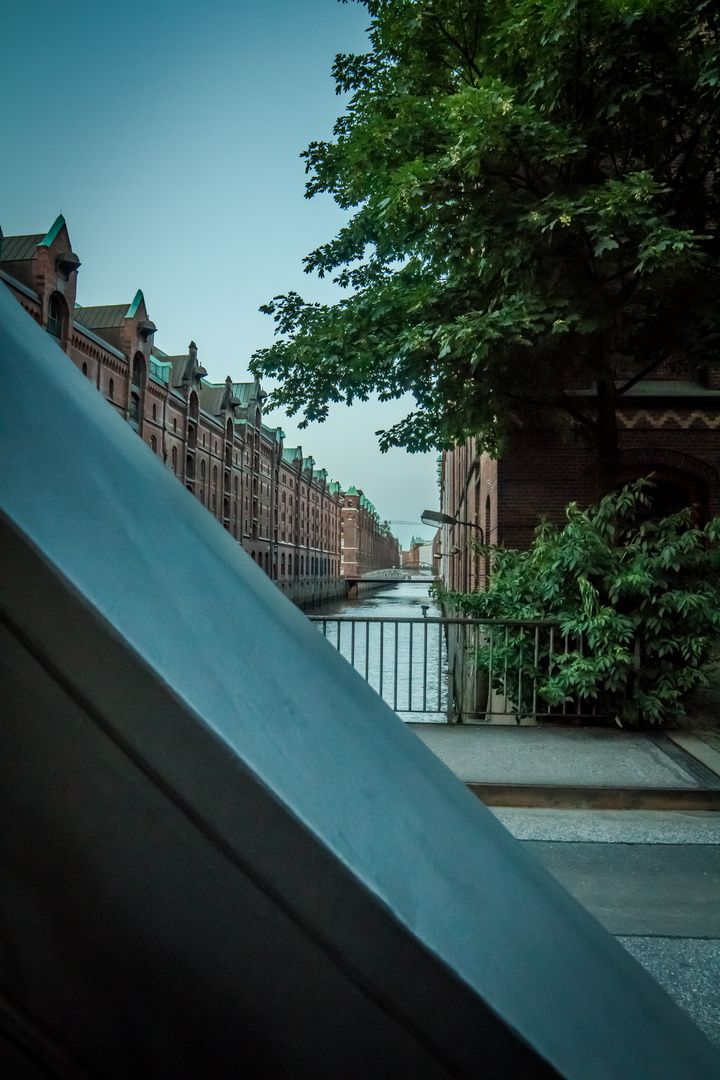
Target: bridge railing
[{"x": 458, "y": 670}]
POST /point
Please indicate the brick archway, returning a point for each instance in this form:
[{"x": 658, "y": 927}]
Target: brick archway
[{"x": 682, "y": 480}]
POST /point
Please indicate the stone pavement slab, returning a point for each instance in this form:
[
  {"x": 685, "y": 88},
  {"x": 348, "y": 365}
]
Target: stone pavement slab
[
  {"x": 689, "y": 970},
  {"x": 555, "y": 756},
  {"x": 612, "y": 826}
]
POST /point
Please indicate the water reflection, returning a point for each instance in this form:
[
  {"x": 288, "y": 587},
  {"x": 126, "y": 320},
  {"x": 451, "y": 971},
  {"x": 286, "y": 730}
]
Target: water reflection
[{"x": 404, "y": 663}]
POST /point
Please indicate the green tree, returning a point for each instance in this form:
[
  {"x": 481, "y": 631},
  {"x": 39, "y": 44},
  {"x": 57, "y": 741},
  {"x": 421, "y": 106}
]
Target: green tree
[
  {"x": 639, "y": 599},
  {"x": 534, "y": 210}
]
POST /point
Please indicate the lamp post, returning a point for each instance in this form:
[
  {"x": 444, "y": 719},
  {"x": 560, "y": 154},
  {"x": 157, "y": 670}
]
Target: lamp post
[{"x": 433, "y": 518}]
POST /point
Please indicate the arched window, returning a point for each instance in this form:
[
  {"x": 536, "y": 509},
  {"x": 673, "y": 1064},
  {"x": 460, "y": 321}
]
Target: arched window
[
  {"x": 192, "y": 436},
  {"x": 190, "y": 467},
  {"x": 84, "y": 370},
  {"x": 214, "y": 476},
  {"x": 153, "y": 444},
  {"x": 282, "y": 565},
  {"x": 154, "y": 411},
  {"x": 138, "y": 372},
  {"x": 111, "y": 389},
  {"x": 267, "y": 563},
  {"x": 57, "y": 316},
  {"x": 193, "y": 406},
  {"x": 135, "y": 408},
  {"x": 174, "y": 458},
  {"x": 202, "y": 471}
]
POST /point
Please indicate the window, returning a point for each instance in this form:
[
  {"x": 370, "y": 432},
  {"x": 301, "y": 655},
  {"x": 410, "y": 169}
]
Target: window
[
  {"x": 175, "y": 424},
  {"x": 135, "y": 408},
  {"x": 56, "y": 316},
  {"x": 202, "y": 472},
  {"x": 282, "y": 565},
  {"x": 138, "y": 372},
  {"x": 174, "y": 459},
  {"x": 154, "y": 411},
  {"x": 84, "y": 370},
  {"x": 111, "y": 389},
  {"x": 153, "y": 444},
  {"x": 215, "y": 472}
]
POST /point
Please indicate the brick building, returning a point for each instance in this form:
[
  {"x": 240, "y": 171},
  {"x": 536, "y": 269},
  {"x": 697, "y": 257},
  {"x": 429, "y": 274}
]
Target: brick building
[
  {"x": 366, "y": 542},
  {"x": 668, "y": 425},
  {"x": 284, "y": 511}
]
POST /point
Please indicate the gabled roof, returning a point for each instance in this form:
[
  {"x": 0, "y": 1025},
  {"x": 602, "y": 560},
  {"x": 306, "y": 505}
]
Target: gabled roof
[
  {"x": 211, "y": 397},
  {"x": 52, "y": 232},
  {"x": 106, "y": 316},
  {"x": 352, "y": 491},
  {"x": 22, "y": 248},
  {"x": 292, "y": 453},
  {"x": 244, "y": 392},
  {"x": 102, "y": 317}
]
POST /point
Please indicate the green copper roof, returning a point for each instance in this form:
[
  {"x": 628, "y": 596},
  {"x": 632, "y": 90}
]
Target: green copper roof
[
  {"x": 132, "y": 310},
  {"x": 53, "y": 231},
  {"x": 352, "y": 491}
]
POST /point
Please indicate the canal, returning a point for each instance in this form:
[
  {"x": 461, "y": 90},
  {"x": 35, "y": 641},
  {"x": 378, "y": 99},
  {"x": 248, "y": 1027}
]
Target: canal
[{"x": 406, "y": 663}]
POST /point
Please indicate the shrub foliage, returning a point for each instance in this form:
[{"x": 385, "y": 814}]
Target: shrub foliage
[{"x": 638, "y": 597}]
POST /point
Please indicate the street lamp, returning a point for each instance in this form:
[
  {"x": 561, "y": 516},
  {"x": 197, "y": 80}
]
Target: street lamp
[{"x": 433, "y": 518}]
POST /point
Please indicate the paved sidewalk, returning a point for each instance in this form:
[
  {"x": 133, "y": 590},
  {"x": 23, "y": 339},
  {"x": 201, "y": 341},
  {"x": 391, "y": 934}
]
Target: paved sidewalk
[
  {"x": 652, "y": 879},
  {"x": 651, "y": 876},
  {"x": 578, "y": 767}
]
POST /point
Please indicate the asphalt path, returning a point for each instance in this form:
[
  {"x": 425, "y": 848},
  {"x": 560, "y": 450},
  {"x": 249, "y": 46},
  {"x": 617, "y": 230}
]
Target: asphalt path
[{"x": 652, "y": 879}]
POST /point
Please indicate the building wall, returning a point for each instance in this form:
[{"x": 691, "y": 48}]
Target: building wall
[
  {"x": 670, "y": 428},
  {"x": 284, "y": 511},
  {"x": 367, "y": 543}
]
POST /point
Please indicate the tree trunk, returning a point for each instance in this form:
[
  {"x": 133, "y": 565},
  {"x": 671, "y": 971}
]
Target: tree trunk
[{"x": 607, "y": 440}]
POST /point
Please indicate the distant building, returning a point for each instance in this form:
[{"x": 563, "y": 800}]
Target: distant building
[
  {"x": 284, "y": 511},
  {"x": 367, "y": 543}
]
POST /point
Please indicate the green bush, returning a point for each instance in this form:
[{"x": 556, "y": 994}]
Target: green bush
[{"x": 642, "y": 595}]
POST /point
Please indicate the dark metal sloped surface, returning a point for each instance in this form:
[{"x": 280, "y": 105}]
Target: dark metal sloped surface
[{"x": 222, "y": 854}]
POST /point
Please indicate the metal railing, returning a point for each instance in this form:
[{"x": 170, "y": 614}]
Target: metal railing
[{"x": 458, "y": 670}]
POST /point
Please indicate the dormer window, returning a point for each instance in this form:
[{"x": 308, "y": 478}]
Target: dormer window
[
  {"x": 146, "y": 328},
  {"x": 67, "y": 263}
]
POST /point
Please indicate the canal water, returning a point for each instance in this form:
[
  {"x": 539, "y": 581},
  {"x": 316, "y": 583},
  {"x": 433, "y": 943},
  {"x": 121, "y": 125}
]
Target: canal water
[{"x": 405, "y": 663}]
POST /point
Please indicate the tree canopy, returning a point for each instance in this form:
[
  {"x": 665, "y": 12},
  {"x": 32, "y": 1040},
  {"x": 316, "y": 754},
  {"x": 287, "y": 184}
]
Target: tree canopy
[{"x": 534, "y": 210}]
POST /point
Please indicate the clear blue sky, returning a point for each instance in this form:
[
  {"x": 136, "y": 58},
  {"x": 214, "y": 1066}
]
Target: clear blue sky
[{"x": 169, "y": 136}]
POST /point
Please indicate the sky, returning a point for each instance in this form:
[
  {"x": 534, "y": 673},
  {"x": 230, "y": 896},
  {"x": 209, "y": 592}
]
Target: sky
[{"x": 169, "y": 136}]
